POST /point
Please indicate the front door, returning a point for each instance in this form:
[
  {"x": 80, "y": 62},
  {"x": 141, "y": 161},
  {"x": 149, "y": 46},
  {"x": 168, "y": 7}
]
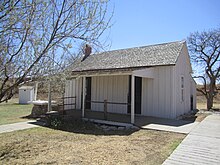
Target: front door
[
  {"x": 88, "y": 92},
  {"x": 137, "y": 95},
  {"x": 191, "y": 102}
]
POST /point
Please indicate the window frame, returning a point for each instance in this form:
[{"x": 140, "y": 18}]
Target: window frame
[{"x": 182, "y": 88}]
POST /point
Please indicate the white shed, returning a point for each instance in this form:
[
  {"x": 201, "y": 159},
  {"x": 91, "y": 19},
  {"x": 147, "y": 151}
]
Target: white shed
[{"x": 26, "y": 94}]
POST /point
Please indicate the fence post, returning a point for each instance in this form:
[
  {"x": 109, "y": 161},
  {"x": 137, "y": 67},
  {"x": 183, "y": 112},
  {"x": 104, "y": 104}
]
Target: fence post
[
  {"x": 75, "y": 103},
  {"x": 63, "y": 102},
  {"x": 105, "y": 109}
]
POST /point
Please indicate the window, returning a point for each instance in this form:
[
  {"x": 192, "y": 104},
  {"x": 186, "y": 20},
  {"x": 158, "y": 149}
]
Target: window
[
  {"x": 182, "y": 82},
  {"x": 182, "y": 88},
  {"x": 182, "y": 94}
]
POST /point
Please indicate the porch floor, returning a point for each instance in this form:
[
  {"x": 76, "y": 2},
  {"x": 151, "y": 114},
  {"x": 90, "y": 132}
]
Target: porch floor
[{"x": 145, "y": 122}]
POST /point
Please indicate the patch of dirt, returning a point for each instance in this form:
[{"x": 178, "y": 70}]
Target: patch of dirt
[
  {"x": 198, "y": 117},
  {"x": 48, "y": 146}
]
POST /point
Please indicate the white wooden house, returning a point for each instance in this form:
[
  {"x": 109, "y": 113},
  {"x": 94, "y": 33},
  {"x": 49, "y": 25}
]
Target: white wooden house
[{"x": 151, "y": 80}]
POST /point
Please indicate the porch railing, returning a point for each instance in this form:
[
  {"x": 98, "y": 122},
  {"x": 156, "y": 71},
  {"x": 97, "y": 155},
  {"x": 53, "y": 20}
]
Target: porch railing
[
  {"x": 105, "y": 104},
  {"x": 72, "y": 103}
]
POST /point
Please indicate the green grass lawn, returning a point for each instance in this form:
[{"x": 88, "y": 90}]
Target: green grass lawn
[{"x": 13, "y": 112}]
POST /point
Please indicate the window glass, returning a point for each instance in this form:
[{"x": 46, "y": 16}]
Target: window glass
[{"x": 182, "y": 88}]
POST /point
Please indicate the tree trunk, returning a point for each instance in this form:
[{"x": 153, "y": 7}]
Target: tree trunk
[
  {"x": 49, "y": 97},
  {"x": 209, "y": 103},
  {"x": 210, "y": 96}
]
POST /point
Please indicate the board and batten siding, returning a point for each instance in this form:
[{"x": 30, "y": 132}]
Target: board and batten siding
[
  {"x": 73, "y": 88},
  {"x": 69, "y": 92},
  {"x": 112, "y": 89},
  {"x": 183, "y": 69},
  {"x": 157, "y": 93}
]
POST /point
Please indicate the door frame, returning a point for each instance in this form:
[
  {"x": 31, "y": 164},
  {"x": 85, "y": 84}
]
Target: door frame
[
  {"x": 137, "y": 103},
  {"x": 88, "y": 95}
]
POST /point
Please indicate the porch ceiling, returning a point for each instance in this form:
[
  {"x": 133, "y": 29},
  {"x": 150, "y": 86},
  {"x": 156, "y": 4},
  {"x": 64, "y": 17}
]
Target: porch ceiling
[
  {"x": 140, "y": 72},
  {"x": 147, "y": 73},
  {"x": 89, "y": 74},
  {"x": 114, "y": 71}
]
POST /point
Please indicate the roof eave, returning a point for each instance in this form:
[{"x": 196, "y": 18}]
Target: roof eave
[{"x": 84, "y": 72}]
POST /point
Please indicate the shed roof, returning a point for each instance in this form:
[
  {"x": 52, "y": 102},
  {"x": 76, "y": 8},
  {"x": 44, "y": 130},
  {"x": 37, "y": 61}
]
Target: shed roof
[
  {"x": 26, "y": 87},
  {"x": 137, "y": 57}
]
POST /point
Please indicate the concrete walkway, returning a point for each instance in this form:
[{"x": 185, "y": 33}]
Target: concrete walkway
[
  {"x": 18, "y": 126},
  {"x": 201, "y": 146},
  {"x": 178, "y": 126}
]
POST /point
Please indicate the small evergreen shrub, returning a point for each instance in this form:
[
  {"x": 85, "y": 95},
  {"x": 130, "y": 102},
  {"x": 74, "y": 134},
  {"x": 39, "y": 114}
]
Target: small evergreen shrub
[{"x": 55, "y": 121}]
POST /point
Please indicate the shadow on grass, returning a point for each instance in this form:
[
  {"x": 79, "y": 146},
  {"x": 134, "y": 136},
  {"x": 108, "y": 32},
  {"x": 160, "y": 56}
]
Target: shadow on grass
[
  {"x": 29, "y": 117},
  {"x": 85, "y": 127}
]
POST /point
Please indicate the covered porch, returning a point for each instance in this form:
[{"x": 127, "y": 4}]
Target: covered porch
[{"x": 113, "y": 92}]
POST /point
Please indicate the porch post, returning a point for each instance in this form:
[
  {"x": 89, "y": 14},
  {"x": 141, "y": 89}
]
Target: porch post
[
  {"x": 132, "y": 98},
  {"x": 84, "y": 93}
]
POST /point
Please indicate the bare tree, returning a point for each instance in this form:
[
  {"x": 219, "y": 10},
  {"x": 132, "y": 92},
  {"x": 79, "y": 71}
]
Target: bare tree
[
  {"x": 33, "y": 31},
  {"x": 205, "y": 52}
]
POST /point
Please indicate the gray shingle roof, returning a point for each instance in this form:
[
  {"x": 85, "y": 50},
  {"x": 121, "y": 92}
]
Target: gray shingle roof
[{"x": 146, "y": 56}]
